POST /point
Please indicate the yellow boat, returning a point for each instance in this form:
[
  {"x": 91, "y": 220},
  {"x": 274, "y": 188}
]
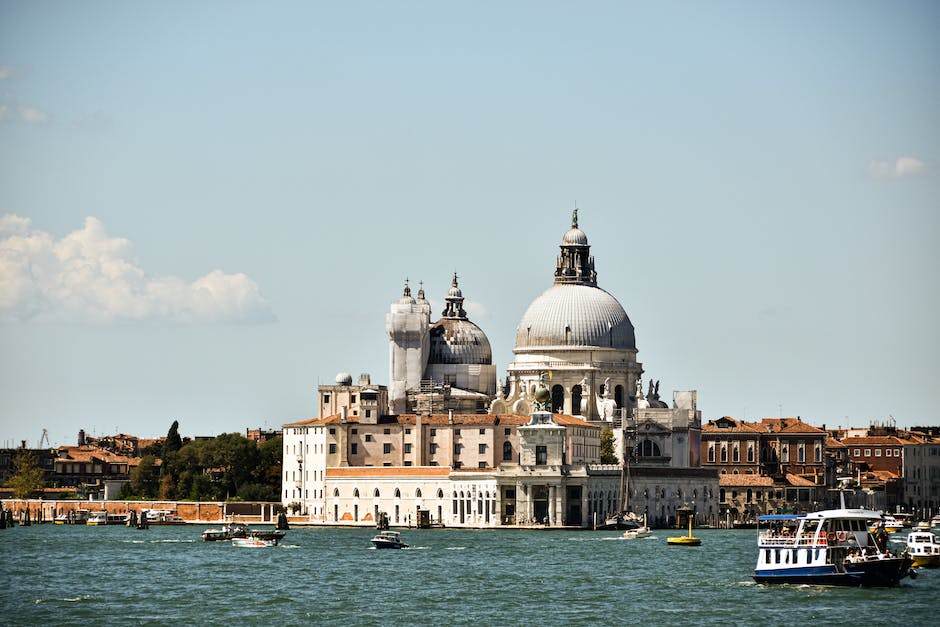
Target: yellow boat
[{"x": 688, "y": 540}]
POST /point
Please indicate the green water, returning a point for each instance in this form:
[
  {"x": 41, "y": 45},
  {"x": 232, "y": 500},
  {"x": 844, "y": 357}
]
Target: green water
[{"x": 70, "y": 575}]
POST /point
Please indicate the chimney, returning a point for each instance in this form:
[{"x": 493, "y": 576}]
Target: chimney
[
  {"x": 342, "y": 414},
  {"x": 81, "y": 437},
  {"x": 450, "y": 416}
]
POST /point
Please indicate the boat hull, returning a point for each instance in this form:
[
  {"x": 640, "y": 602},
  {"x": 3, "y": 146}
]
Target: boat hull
[
  {"x": 382, "y": 544},
  {"x": 879, "y": 573}
]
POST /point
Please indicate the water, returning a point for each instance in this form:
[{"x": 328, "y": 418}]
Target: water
[{"x": 57, "y": 574}]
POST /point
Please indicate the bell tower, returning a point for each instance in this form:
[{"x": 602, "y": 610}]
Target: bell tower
[{"x": 407, "y": 324}]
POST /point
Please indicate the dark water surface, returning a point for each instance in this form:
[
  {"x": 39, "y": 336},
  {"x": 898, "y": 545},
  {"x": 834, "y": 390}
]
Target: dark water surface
[{"x": 51, "y": 574}]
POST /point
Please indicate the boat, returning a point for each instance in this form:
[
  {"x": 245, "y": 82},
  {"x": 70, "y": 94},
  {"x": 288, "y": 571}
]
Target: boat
[
  {"x": 72, "y": 517},
  {"x": 625, "y": 518},
  {"x": 688, "y": 540},
  {"x": 388, "y": 540},
  {"x": 830, "y": 547},
  {"x": 117, "y": 519},
  {"x": 935, "y": 521},
  {"x": 924, "y": 549},
  {"x": 163, "y": 517},
  {"x": 923, "y": 525},
  {"x": 97, "y": 518},
  {"x": 642, "y": 531},
  {"x": 227, "y": 532},
  {"x": 889, "y": 522},
  {"x": 272, "y": 535},
  {"x": 252, "y": 542}
]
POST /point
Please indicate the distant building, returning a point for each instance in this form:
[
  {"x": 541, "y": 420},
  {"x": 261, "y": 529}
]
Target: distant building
[
  {"x": 473, "y": 452},
  {"x": 259, "y": 436}
]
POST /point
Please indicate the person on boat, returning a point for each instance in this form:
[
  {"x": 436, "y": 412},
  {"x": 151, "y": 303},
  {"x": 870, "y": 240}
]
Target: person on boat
[{"x": 881, "y": 538}]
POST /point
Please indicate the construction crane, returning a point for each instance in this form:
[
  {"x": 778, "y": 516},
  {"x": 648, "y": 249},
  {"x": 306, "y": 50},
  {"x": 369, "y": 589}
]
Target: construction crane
[{"x": 44, "y": 438}]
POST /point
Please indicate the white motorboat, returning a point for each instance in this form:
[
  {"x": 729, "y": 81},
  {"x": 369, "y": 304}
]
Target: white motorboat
[
  {"x": 252, "y": 542},
  {"x": 389, "y": 540},
  {"x": 97, "y": 518}
]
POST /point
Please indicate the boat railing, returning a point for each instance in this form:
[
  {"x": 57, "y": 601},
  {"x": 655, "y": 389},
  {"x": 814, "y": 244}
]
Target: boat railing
[{"x": 776, "y": 539}]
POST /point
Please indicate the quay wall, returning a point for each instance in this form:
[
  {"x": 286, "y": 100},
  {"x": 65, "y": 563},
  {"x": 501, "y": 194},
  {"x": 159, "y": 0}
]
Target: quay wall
[{"x": 42, "y": 510}]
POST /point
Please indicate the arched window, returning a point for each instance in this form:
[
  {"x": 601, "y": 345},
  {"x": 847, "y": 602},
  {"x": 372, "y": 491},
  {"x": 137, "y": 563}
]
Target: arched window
[
  {"x": 558, "y": 398},
  {"x": 335, "y": 492},
  {"x": 648, "y": 448},
  {"x": 576, "y": 400},
  {"x": 750, "y": 453},
  {"x": 618, "y": 396},
  {"x": 735, "y": 454},
  {"x": 397, "y": 493},
  {"x": 418, "y": 493},
  {"x": 724, "y": 453},
  {"x": 356, "y": 493},
  {"x": 440, "y": 493},
  {"x": 375, "y": 493},
  {"x": 507, "y": 451}
]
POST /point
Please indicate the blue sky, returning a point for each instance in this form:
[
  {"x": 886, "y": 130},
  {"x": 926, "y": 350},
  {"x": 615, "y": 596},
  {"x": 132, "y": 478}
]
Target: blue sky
[{"x": 206, "y": 208}]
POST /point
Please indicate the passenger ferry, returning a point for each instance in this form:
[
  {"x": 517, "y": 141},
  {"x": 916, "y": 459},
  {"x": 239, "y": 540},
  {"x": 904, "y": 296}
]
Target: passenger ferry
[{"x": 830, "y": 547}]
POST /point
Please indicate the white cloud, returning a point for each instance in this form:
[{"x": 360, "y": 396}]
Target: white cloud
[
  {"x": 475, "y": 310},
  {"x": 903, "y": 166},
  {"x": 88, "y": 276},
  {"x": 32, "y": 115}
]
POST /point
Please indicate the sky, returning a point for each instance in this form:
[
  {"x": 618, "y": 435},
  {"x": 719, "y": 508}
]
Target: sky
[{"x": 206, "y": 208}]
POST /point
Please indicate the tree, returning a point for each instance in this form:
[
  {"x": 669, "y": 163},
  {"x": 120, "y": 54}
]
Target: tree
[
  {"x": 143, "y": 482},
  {"x": 608, "y": 453},
  {"x": 173, "y": 441},
  {"x": 29, "y": 478}
]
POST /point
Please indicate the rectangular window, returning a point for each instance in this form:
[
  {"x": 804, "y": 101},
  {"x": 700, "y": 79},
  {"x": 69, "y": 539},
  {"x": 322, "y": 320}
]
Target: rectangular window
[
  {"x": 457, "y": 448},
  {"x": 354, "y": 448},
  {"x": 387, "y": 448},
  {"x": 507, "y": 431},
  {"x": 407, "y": 463},
  {"x": 407, "y": 448},
  {"x": 897, "y": 452},
  {"x": 352, "y": 398},
  {"x": 326, "y": 398},
  {"x": 332, "y": 430},
  {"x": 541, "y": 455},
  {"x": 456, "y": 431},
  {"x": 482, "y": 431},
  {"x": 368, "y": 437},
  {"x": 332, "y": 449},
  {"x": 857, "y": 453},
  {"x": 877, "y": 452},
  {"x": 368, "y": 413},
  {"x": 386, "y": 463},
  {"x": 354, "y": 431},
  {"x": 433, "y": 432},
  {"x": 433, "y": 448},
  {"x": 868, "y": 452},
  {"x": 408, "y": 431},
  {"x": 482, "y": 449},
  {"x": 481, "y": 465},
  {"x": 457, "y": 464},
  {"x": 387, "y": 431}
]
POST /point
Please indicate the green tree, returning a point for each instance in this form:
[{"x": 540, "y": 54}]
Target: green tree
[
  {"x": 29, "y": 478},
  {"x": 143, "y": 478},
  {"x": 608, "y": 454},
  {"x": 173, "y": 441}
]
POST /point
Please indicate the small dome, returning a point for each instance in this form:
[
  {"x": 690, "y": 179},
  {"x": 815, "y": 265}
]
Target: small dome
[
  {"x": 574, "y": 237},
  {"x": 458, "y": 341},
  {"x": 343, "y": 378},
  {"x": 454, "y": 292}
]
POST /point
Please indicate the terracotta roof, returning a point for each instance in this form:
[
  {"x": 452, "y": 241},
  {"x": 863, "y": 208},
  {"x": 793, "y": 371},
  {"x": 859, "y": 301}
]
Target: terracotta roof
[
  {"x": 786, "y": 425},
  {"x": 888, "y": 440},
  {"x": 388, "y": 471},
  {"x": 736, "y": 426},
  {"x": 800, "y": 482},
  {"x": 445, "y": 420},
  {"x": 747, "y": 481},
  {"x": 831, "y": 442},
  {"x": 89, "y": 453}
]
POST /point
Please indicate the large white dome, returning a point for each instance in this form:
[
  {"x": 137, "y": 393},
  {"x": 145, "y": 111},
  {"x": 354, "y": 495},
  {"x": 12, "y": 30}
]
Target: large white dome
[{"x": 575, "y": 315}]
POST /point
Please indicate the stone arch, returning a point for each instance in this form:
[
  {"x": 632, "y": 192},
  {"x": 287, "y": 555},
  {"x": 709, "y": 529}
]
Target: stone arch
[
  {"x": 576, "y": 400},
  {"x": 558, "y": 399},
  {"x": 618, "y": 396}
]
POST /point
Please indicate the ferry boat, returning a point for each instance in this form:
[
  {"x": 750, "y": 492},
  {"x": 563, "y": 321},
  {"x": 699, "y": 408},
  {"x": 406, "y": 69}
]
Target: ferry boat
[
  {"x": 163, "y": 517},
  {"x": 97, "y": 518},
  {"x": 924, "y": 549},
  {"x": 72, "y": 517},
  {"x": 389, "y": 540},
  {"x": 830, "y": 547}
]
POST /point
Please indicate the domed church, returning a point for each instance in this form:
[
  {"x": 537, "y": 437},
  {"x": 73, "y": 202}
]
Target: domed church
[
  {"x": 448, "y": 362},
  {"x": 581, "y": 336}
]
